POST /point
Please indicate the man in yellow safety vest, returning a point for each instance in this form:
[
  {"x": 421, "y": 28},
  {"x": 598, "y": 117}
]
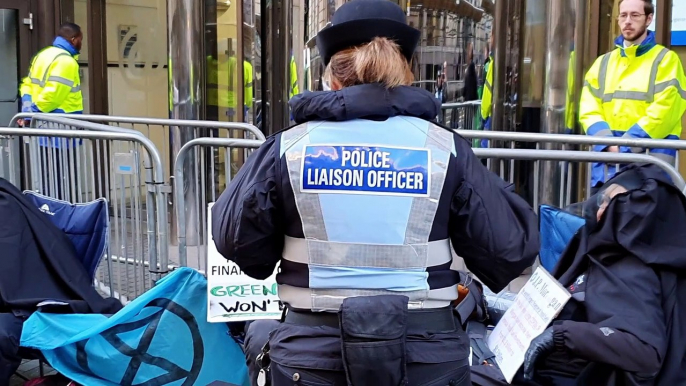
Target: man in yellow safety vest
[
  {"x": 222, "y": 95},
  {"x": 293, "y": 89},
  {"x": 487, "y": 95},
  {"x": 635, "y": 91},
  {"x": 53, "y": 84}
]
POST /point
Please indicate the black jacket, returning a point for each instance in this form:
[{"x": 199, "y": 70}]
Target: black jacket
[
  {"x": 38, "y": 262},
  {"x": 471, "y": 87},
  {"x": 626, "y": 322},
  {"x": 492, "y": 228}
]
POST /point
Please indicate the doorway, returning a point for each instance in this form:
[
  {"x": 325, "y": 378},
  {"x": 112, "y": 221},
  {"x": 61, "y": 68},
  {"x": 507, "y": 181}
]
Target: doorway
[
  {"x": 15, "y": 54},
  {"x": 15, "y": 51}
]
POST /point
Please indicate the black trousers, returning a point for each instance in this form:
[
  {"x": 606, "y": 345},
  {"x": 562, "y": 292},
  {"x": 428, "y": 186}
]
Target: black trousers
[
  {"x": 257, "y": 334},
  {"x": 491, "y": 376},
  {"x": 419, "y": 374}
]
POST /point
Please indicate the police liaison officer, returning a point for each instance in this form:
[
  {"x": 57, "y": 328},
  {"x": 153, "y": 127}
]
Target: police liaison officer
[{"x": 360, "y": 204}]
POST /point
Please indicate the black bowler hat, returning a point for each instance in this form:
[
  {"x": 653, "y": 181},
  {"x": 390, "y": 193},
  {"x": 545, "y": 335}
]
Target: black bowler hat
[{"x": 360, "y": 21}]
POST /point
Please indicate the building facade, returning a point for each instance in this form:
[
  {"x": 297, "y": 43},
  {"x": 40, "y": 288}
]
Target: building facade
[
  {"x": 229, "y": 60},
  {"x": 241, "y": 60}
]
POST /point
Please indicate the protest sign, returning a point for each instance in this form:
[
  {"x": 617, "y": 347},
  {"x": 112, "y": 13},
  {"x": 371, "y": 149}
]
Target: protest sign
[
  {"x": 233, "y": 296},
  {"x": 536, "y": 305}
]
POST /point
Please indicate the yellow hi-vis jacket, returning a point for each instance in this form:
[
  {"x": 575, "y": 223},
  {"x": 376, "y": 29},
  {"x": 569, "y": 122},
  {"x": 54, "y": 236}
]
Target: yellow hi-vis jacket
[
  {"x": 570, "y": 106},
  {"x": 53, "y": 84},
  {"x": 487, "y": 97},
  {"x": 635, "y": 92},
  {"x": 222, "y": 79},
  {"x": 294, "y": 89}
]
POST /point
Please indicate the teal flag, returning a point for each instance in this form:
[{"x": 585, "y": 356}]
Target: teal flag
[{"x": 161, "y": 338}]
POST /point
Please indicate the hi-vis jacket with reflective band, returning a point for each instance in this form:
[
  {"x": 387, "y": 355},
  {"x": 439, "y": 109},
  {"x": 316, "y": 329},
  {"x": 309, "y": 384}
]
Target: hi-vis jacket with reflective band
[
  {"x": 635, "y": 92},
  {"x": 487, "y": 96},
  {"x": 570, "y": 106},
  {"x": 53, "y": 84},
  {"x": 222, "y": 79},
  {"x": 356, "y": 206},
  {"x": 293, "y": 89}
]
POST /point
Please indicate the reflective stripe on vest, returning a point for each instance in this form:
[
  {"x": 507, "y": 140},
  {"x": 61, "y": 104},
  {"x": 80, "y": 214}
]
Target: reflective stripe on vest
[
  {"x": 321, "y": 270},
  {"x": 648, "y": 96},
  {"x": 45, "y": 79},
  {"x": 365, "y": 255},
  {"x": 330, "y": 300}
]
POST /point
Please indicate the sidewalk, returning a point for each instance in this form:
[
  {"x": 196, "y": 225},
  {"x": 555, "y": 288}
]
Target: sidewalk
[{"x": 29, "y": 370}]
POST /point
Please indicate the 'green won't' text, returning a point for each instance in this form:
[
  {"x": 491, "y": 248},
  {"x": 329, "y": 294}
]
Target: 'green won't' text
[{"x": 244, "y": 290}]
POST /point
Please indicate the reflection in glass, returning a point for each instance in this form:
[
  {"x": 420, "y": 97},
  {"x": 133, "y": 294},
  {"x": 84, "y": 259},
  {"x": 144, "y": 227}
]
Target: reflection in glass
[
  {"x": 533, "y": 70},
  {"x": 452, "y": 39},
  {"x": 449, "y": 33},
  {"x": 222, "y": 72}
]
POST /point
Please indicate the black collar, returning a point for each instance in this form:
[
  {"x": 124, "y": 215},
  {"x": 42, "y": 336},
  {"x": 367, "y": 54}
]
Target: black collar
[{"x": 367, "y": 101}]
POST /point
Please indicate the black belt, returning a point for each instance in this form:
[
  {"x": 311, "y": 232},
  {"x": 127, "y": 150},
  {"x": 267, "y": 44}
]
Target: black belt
[{"x": 436, "y": 319}]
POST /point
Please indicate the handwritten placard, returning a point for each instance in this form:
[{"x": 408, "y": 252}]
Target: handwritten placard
[
  {"x": 536, "y": 305},
  {"x": 233, "y": 296}
]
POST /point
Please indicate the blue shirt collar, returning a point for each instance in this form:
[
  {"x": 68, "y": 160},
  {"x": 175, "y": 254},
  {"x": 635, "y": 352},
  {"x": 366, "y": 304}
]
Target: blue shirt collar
[
  {"x": 62, "y": 43},
  {"x": 642, "y": 49}
]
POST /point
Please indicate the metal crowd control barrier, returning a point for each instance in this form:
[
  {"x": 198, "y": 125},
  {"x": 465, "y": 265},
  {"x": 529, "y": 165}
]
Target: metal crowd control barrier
[
  {"x": 159, "y": 131},
  {"x": 567, "y": 156},
  {"x": 198, "y": 257},
  {"x": 462, "y": 115},
  {"x": 216, "y": 165},
  {"x": 575, "y": 139},
  {"x": 148, "y": 122},
  {"x": 103, "y": 162},
  {"x": 568, "y": 142},
  {"x": 199, "y": 210},
  {"x": 582, "y": 156}
]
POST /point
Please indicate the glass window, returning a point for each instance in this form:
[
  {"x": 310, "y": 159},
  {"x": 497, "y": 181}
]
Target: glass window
[
  {"x": 233, "y": 74},
  {"x": 137, "y": 58},
  {"x": 533, "y": 70},
  {"x": 222, "y": 63}
]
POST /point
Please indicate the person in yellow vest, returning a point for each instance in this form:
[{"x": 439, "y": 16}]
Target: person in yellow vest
[
  {"x": 53, "y": 84},
  {"x": 294, "y": 89},
  {"x": 487, "y": 96},
  {"x": 221, "y": 89},
  {"x": 222, "y": 100},
  {"x": 570, "y": 107},
  {"x": 635, "y": 91}
]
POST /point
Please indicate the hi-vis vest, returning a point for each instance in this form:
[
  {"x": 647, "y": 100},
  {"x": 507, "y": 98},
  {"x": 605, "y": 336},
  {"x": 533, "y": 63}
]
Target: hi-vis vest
[
  {"x": 487, "y": 97},
  {"x": 570, "y": 106},
  {"x": 222, "y": 79},
  {"x": 53, "y": 84},
  {"x": 293, "y": 89},
  {"x": 367, "y": 194},
  {"x": 635, "y": 92}
]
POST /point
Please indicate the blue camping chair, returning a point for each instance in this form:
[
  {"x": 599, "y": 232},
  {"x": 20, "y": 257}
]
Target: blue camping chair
[
  {"x": 557, "y": 227},
  {"x": 86, "y": 225}
]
